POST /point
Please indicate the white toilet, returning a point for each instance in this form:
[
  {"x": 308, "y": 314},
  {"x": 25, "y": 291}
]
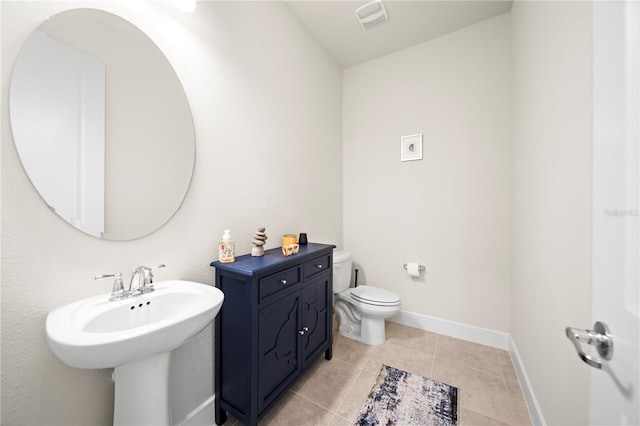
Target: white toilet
[{"x": 363, "y": 309}]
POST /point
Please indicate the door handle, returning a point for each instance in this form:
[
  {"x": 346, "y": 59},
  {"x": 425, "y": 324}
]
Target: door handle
[{"x": 600, "y": 337}]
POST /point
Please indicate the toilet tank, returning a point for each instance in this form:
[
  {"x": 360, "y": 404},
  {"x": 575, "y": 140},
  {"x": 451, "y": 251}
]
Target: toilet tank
[{"x": 341, "y": 270}]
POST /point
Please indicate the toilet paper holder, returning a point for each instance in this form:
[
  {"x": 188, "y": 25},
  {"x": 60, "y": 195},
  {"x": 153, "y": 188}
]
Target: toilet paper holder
[{"x": 420, "y": 267}]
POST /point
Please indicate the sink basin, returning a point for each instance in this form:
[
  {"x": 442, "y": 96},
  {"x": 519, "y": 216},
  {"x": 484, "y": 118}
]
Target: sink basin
[
  {"x": 135, "y": 336},
  {"x": 98, "y": 333}
]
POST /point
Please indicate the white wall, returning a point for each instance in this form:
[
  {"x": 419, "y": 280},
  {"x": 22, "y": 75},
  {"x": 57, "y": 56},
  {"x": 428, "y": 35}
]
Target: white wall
[
  {"x": 452, "y": 210},
  {"x": 266, "y": 102},
  {"x": 552, "y": 182}
]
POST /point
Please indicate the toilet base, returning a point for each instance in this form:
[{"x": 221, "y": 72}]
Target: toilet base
[
  {"x": 362, "y": 322},
  {"x": 370, "y": 331}
]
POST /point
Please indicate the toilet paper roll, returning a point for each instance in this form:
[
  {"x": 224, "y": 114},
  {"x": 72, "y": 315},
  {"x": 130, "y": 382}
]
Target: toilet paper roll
[{"x": 413, "y": 269}]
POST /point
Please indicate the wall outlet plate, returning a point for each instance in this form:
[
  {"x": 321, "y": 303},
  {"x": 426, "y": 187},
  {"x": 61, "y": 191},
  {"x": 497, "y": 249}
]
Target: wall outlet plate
[{"x": 411, "y": 147}]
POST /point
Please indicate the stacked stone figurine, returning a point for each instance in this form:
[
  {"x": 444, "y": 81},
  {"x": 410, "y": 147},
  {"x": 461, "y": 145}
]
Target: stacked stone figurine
[{"x": 259, "y": 240}]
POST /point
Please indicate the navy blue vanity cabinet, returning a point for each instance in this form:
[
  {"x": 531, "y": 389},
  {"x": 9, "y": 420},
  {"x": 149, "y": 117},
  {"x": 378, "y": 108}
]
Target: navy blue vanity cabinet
[{"x": 274, "y": 323}]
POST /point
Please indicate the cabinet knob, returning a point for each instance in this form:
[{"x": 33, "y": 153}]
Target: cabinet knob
[
  {"x": 283, "y": 282},
  {"x": 319, "y": 266},
  {"x": 304, "y": 330}
]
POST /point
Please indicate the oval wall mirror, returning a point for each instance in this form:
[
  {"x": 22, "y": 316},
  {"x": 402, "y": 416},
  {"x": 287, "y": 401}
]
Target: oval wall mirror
[{"x": 102, "y": 125}]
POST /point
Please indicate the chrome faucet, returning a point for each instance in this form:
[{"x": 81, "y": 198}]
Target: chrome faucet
[{"x": 145, "y": 280}]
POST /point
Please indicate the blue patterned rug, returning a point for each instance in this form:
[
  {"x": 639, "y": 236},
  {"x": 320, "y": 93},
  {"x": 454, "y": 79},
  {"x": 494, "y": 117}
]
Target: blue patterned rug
[{"x": 401, "y": 398}]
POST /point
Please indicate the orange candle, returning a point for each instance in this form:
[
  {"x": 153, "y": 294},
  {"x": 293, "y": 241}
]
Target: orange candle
[{"x": 288, "y": 239}]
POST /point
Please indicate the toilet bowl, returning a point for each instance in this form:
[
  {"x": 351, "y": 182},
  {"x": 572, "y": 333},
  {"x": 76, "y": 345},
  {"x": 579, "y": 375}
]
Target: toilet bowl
[{"x": 363, "y": 309}]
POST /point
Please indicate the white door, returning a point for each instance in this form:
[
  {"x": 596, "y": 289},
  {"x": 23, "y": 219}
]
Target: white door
[{"x": 615, "y": 387}]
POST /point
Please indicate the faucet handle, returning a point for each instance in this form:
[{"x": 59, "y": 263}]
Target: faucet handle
[
  {"x": 104, "y": 276},
  {"x": 162, "y": 265},
  {"x": 147, "y": 282},
  {"x": 117, "y": 292}
]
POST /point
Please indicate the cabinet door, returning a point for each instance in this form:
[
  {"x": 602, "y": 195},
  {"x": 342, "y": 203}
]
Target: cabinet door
[
  {"x": 316, "y": 308},
  {"x": 278, "y": 365}
]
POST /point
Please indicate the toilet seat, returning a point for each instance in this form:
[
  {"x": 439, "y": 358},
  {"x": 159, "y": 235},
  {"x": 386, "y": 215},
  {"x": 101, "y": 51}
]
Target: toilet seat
[{"x": 375, "y": 296}]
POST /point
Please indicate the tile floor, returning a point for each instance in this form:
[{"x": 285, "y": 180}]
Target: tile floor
[{"x": 332, "y": 392}]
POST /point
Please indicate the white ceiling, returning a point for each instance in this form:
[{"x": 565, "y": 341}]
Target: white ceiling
[{"x": 335, "y": 26}]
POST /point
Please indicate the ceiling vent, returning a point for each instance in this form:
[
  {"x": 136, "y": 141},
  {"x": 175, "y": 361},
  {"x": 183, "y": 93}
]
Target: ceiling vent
[{"x": 372, "y": 14}]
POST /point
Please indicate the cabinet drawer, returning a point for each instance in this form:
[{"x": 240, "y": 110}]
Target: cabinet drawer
[
  {"x": 316, "y": 266},
  {"x": 279, "y": 281}
]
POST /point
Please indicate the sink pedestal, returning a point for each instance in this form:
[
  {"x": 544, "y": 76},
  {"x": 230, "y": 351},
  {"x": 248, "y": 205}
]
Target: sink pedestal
[
  {"x": 136, "y": 336},
  {"x": 142, "y": 392}
]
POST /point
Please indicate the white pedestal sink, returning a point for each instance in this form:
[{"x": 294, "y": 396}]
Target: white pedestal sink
[{"x": 135, "y": 336}]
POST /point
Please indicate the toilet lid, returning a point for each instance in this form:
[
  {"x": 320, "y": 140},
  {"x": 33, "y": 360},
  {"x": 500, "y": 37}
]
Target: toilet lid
[{"x": 375, "y": 296}]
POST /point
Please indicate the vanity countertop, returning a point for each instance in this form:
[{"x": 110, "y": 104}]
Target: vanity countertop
[{"x": 250, "y": 265}]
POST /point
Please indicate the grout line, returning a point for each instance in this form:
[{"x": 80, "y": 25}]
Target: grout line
[
  {"x": 341, "y": 401},
  {"x": 347, "y": 420},
  {"x": 344, "y": 398},
  {"x": 314, "y": 402},
  {"x": 435, "y": 352}
]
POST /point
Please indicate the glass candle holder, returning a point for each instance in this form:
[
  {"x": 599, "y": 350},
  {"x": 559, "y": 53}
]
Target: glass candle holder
[{"x": 289, "y": 239}]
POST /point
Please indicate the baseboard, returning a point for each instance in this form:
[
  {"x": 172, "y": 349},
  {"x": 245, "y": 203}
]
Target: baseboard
[
  {"x": 484, "y": 336},
  {"x": 527, "y": 390},
  {"x": 203, "y": 415}
]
